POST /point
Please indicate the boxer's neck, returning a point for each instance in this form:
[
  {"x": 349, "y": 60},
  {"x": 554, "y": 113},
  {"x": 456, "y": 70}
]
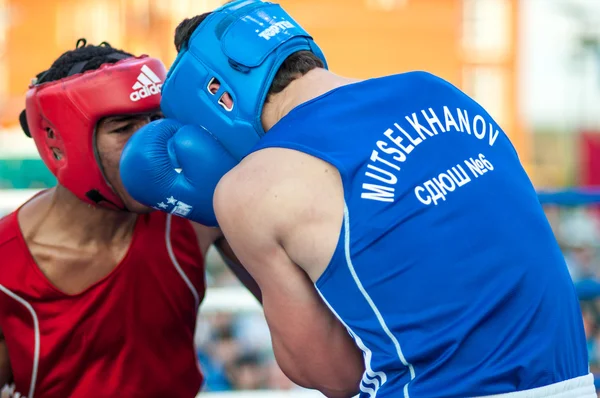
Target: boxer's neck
[
  {"x": 313, "y": 84},
  {"x": 81, "y": 223}
]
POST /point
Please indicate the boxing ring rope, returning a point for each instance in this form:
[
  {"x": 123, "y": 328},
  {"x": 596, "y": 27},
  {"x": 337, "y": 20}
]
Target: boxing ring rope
[
  {"x": 229, "y": 299},
  {"x": 10, "y": 199}
]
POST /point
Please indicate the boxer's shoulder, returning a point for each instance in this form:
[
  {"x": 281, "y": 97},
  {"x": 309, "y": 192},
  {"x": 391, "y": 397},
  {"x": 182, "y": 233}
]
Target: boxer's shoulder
[
  {"x": 251, "y": 188},
  {"x": 9, "y": 230},
  {"x": 13, "y": 249},
  {"x": 259, "y": 174},
  {"x": 16, "y": 224},
  {"x": 279, "y": 164},
  {"x": 29, "y": 215},
  {"x": 287, "y": 172},
  {"x": 278, "y": 188}
]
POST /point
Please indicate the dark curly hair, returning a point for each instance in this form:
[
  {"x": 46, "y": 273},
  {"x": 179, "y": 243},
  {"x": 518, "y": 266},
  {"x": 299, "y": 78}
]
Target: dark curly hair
[{"x": 83, "y": 58}]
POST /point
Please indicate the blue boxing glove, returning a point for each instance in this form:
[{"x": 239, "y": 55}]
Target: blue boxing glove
[{"x": 175, "y": 168}]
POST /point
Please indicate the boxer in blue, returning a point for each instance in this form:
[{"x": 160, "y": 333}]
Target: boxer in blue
[{"x": 393, "y": 210}]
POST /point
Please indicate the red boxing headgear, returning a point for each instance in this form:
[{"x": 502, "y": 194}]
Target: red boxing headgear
[{"x": 63, "y": 114}]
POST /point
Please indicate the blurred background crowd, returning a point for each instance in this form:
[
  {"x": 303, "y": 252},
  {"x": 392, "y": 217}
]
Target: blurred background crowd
[
  {"x": 534, "y": 64},
  {"x": 234, "y": 350}
]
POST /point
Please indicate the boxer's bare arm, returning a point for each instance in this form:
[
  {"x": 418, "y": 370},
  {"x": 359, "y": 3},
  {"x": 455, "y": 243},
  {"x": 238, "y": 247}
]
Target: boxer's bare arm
[
  {"x": 237, "y": 268},
  {"x": 208, "y": 236},
  {"x": 5, "y": 370},
  {"x": 255, "y": 207}
]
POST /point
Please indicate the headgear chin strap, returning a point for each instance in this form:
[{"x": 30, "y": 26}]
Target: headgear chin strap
[
  {"x": 241, "y": 45},
  {"x": 61, "y": 117}
]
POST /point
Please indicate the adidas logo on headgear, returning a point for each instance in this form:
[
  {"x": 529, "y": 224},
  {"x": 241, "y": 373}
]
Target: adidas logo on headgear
[{"x": 147, "y": 84}]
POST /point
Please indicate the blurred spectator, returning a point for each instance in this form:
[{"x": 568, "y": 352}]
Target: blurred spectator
[
  {"x": 235, "y": 353},
  {"x": 247, "y": 372},
  {"x": 590, "y": 324},
  {"x": 218, "y": 352},
  {"x": 577, "y": 231},
  {"x": 582, "y": 262}
]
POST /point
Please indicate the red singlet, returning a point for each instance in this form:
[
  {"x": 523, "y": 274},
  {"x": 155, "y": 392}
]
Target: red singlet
[{"x": 131, "y": 334}]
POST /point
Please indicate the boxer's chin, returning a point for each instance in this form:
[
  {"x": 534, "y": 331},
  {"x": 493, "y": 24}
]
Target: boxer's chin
[
  {"x": 134, "y": 206},
  {"x": 131, "y": 204}
]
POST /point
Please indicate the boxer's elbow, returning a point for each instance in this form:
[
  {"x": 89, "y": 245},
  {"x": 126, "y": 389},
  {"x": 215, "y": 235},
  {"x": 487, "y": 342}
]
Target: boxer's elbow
[
  {"x": 346, "y": 385},
  {"x": 333, "y": 387},
  {"x": 334, "y": 379},
  {"x": 346, "y": 392},
  {"x": 337, "y": 387}
]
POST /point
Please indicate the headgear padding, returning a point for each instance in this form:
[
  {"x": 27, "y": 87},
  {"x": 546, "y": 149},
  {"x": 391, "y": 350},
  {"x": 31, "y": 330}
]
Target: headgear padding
[
  {"x": 63, "y": 114},
  {"x": 242, "y": 45}
]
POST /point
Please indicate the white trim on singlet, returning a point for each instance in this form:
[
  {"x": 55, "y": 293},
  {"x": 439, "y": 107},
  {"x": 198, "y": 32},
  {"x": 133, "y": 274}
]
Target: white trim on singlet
[
  {"x": 579, "y": 387},
  {"x": 36, "y": 334},
  {"x": 376, "y": 379},
  {"x": 176, "y": 263},
  {"x": 370, "y": 301}
]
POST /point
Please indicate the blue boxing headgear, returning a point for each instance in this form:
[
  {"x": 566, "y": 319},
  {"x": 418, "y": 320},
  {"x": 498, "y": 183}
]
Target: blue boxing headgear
[{"x": 242, "y": 45}]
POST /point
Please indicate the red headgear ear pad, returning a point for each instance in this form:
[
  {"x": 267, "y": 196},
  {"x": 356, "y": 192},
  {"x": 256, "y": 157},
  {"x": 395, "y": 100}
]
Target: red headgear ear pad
[{"x": 62, "y": 116}]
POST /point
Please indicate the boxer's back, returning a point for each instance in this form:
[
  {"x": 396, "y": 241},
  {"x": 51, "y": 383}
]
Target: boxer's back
[
  {"x": 129, "y": 334},
  {"x": 446, "y": 271}
]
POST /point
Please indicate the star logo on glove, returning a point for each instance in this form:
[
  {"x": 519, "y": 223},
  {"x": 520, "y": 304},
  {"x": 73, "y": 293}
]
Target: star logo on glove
[{"x": 179, "y": 208}]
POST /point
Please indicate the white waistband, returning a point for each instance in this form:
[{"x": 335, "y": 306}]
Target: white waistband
[{"x": 579, "y": 387}]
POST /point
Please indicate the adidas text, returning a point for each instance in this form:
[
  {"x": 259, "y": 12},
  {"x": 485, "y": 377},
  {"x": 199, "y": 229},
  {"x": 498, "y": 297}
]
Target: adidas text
[
  {"x": 147, "y": 84},
  {"x": 145, "y": 92}
]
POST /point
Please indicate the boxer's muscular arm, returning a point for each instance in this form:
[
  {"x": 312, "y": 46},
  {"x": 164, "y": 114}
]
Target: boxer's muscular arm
[
  {"x": 208, "y": 236},
  {"x": 5, "y": 371},
  {"x": 237, "y": 268},
  {"x": 311, "y": 346}
]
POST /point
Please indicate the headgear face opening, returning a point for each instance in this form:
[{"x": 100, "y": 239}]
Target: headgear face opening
[
  {"x": 62, "y": 115},
  {"x": 242, "y": 45}
]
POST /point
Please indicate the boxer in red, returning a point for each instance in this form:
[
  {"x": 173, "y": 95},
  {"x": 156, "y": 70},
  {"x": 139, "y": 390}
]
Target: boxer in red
[{"x": 98, "y": 293}]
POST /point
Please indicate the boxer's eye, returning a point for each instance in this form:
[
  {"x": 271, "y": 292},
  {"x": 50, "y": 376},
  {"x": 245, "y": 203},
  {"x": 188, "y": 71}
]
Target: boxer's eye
[
  {"x": 156, "y": 116},
  {"x": 213, "y": 85},
  {"x": 123, "y": 129}
]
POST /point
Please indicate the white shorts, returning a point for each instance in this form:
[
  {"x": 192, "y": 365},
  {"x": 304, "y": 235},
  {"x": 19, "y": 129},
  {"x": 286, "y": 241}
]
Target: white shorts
[{"x": 580, "y": 387}]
